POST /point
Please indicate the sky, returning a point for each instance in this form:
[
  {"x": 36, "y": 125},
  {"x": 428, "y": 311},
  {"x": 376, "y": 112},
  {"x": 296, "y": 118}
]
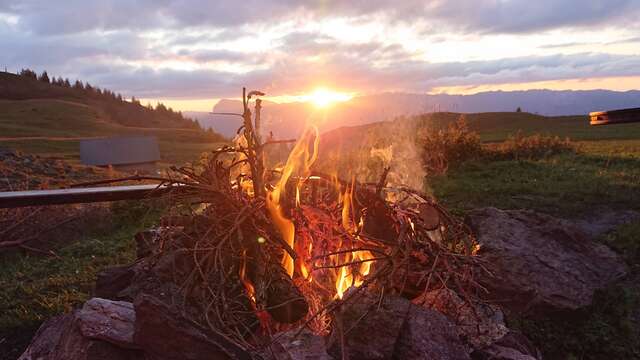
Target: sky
[{"x": 188, "y": 54}]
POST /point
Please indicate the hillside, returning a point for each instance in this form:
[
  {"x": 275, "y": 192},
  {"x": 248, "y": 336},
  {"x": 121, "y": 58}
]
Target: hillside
[
  {"x": 113, "y": 107},
  {"x": 288, "y": 119},
  {"x": 49, "y": 119},
  {"x": 492, "y": 127}
]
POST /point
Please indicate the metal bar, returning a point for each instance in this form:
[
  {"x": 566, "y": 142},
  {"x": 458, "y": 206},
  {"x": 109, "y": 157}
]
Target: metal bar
[{"x": 16, "y": 199}]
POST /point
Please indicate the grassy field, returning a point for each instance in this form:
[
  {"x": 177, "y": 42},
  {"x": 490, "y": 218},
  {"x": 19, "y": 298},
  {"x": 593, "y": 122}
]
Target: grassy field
[
  {"x": 34, "y": 288},
  {"x": 54, "y": 128},
  {"x": 604, "y": 171},
  {"x": 494, "y": 127},
  {"x": 600, "y": 174}
]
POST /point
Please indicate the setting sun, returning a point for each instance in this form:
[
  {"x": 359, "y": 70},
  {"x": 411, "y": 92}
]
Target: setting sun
[{"x": 323, "y": 97}]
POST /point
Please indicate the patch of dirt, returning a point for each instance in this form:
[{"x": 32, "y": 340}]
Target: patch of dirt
[{"x": 20, "y": 171}]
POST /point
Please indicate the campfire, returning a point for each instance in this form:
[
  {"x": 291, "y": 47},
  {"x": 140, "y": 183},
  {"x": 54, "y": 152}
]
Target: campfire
[{"x": 258, "y": 251}]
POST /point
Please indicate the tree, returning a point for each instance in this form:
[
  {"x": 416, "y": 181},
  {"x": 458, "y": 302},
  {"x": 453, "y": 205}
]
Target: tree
[
  {"x": 66, "y": 83},
  {"x": 518, "y": 109},
  {"x": 44, "y": 77},
  {"x": 78, "y": 85},
  {"x": 29, "y": 73}
]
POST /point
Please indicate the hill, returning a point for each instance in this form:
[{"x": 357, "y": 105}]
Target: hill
[
  {"x": 50, "y": 118},
  {"x": 491, "y": 126},
  {"x": 288, "y": 119},
  {"x": 113, "y": 107}
]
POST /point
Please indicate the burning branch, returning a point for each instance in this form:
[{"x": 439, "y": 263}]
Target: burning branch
[{"x": 271, "y": 249}]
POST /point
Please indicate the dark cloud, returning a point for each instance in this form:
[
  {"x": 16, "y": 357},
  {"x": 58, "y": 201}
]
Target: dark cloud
[
  {"x": 115, "y": 44},
  {"x": 290, "y": 76},
  {"x": 47, "y": 17}
]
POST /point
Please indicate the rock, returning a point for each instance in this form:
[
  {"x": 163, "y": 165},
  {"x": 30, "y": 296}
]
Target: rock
[
  {"x": 605, "y": 220},
  {"x": 477, "y": 324},
  {"x": 157, "y": 276},
  {"x": 110, "y": 282},
  {"x": 165, "y": 334},
  {"x": 46, "y": 338},
  {"x": 304, "y": 346},
  {"x": 371, "y": 329},
  {"x": 393, "y": 328},
  {"x": 60, "y": 338},
  {"x": 512, "y": 346},
  {"x": 428, "y": 334},
  {"x": 111, "y": 321},
  {"x": 539, "y": 262}
]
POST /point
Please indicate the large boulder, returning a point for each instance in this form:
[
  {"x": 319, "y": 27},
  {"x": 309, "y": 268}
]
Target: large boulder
[
  {"x": 60, "y": 338},
  {"x": 111, "y": 321},
  {"x": 391, "y": 327},
  {"x": 478, "y": 324},
  {"x": 604, "y": 220},
  {"x": 165, "y": 334},
  {"x": 111, "y": 281},
  {"x": 512, "y": 346},
  {"x": 298, "y": 344},
  {"x": 538, "y": 262}
]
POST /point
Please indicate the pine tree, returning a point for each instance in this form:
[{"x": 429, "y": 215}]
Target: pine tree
[
  {"x": 29, "y": 73},
  {"x": 78, "y": 85},
  {"x": 44, "y": 77}
]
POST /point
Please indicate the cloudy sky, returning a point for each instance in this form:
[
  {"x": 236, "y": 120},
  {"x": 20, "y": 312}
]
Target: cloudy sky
[{"x": 190, "y": 52}]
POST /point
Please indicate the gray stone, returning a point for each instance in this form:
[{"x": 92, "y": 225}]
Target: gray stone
[
  {"x": 60, "y": 338},
  {"x": 299, "y": 345},
  {"x": 606, "y": 220},
  {"x": 512, "y": 346},
  {"x": 428, "y": 334},
  {"x": 111, "y": 321},
  {"x": 538, "y": 262},
  {"x": 477, "y": 323},
  {"x": 392, "y": 327},
  {"x": 164, "y": 333}
]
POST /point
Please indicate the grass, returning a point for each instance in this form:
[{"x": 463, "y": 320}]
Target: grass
[
  {"x": 494, "y": 127},
  {"x": 602, "y": 173},
  {"x": 53, "y": 128},
  {"x": 566, "y": 185},
  {"x": 34, "y": 288},
  {"x": 604, "y": 170}
]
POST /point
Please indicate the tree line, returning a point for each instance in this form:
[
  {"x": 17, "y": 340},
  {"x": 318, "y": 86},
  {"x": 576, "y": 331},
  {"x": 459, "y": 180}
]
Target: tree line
[{"x": 131, "y": 113}]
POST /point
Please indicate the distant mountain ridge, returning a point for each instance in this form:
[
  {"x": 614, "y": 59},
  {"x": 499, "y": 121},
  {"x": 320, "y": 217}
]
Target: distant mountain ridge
[{"x": 287, "y": 119}]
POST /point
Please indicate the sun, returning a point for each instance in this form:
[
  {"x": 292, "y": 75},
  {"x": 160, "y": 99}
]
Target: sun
[{"x": 323, "y": 97}]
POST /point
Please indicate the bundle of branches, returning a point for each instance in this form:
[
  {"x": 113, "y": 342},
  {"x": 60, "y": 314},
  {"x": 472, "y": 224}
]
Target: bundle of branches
[{"x": 265, "y": 251}]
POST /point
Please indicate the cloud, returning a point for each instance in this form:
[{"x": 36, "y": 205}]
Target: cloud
[
  {"x": 513, "y": 16},
  {"x": 210, "y": 49}
]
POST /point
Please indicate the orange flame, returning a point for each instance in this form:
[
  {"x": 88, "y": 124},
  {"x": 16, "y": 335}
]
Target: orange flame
[
  {"x": 351, "y": 274},
  {"x": 299, "y": 162},
  {"x": 251, "y": 291}
]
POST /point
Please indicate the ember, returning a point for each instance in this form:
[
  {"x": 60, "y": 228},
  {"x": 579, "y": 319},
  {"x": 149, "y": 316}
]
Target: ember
[{"x": 265, "y": 251}]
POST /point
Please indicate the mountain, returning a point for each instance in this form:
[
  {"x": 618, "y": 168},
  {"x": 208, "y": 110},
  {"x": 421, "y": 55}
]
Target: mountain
[{"x": 287, "y": 119}]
